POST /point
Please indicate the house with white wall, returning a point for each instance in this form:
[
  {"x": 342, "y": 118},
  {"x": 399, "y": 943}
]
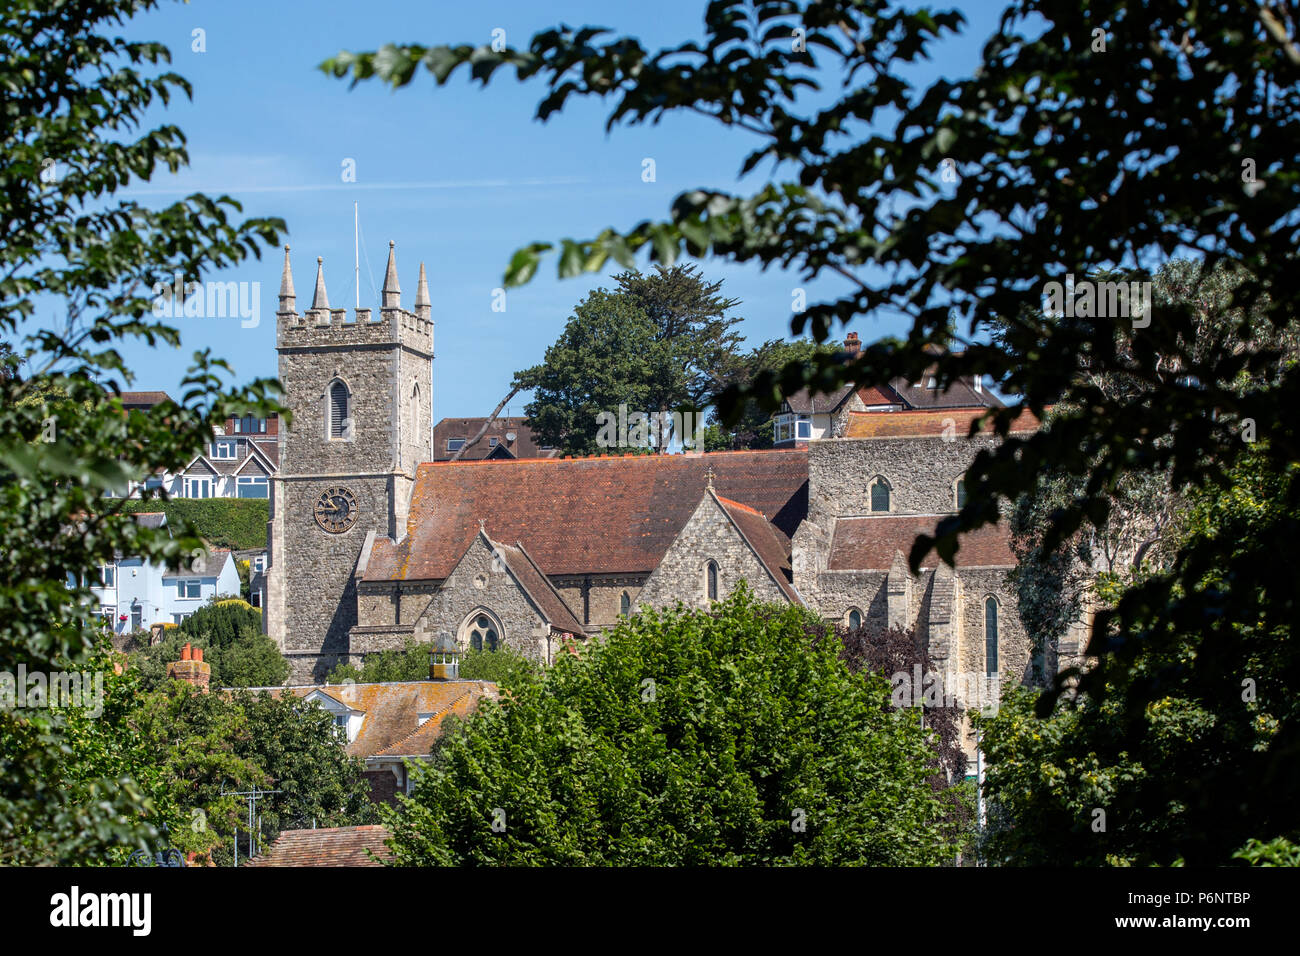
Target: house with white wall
[{"x": 133, "y": 594}]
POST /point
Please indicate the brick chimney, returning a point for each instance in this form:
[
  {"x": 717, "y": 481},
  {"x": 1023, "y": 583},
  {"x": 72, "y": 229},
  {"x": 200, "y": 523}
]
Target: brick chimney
[
  {"x": 191, "y": 668},
  {"x": 851, "y": 345}
]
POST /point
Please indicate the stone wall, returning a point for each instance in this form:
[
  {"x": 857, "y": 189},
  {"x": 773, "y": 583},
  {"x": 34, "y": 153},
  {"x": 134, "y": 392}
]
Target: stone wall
[
  {"x": 922, "y": 473},
  {"x": 708, "y": 535},
  {"x": 312, "y": 604},
  {"x": 595, "y": 599},
  {"x": 481, "y": 581}
]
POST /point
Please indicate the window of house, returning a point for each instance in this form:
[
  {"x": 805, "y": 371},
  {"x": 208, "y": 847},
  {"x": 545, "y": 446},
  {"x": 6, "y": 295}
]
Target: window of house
[
  {"x": 803, "y": 428},
  {"x": 783, "y": 428},
  {"x": 493, "y": 442},
  {"x": 339, "y": 410},
  {"x": 483, "y": 634},
  {"x": 108, "y": 575},
  {"x": 991, "y": 635},
  {"x": 711, "y": 581},
  {"x": 198, "y": 487},
  {"x": 137, "y": 617},
  {"x": 225, "y": 450},
  {"x": 455, "y": 444},
  {"x": 960, "y": 493},
  {"x": 249, "y": 424},
  {"x": 625, "y": 604},
  {"x": 153, "y": 484},
  {"x": 879, "y": 495},
  {"x": 109, "y": 612},
  {"x": 179, "y": 618},
  {"x": 255, "y": 487},
  {"x": 259, "y": 563},
  {"x": 188, "y": 588},
  {"x": 853, "y": 619}
]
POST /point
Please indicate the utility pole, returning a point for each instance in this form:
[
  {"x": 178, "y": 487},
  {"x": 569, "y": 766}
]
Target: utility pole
[{"x": 254, "y": 818}]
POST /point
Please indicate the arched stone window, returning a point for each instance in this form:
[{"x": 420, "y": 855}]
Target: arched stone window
[
  {"x": 625, "y": 604},
  {"x": 991, "y": 635},
  {"x": 853, "y": 619},
  {"x": 339, "y": 411},
  {"x": 711, "y": 580},
  {"x": 959, "y": 492},
  {"x": 880, "y": 489},
  {"x": 481, "y": 631}
]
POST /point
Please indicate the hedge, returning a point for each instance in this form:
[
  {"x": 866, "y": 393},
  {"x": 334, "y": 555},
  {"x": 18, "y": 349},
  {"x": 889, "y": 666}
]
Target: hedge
[{"x": 235, "y": 523}]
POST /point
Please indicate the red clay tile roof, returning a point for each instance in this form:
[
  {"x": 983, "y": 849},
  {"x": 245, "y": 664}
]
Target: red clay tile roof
[
  {"x": 925, "y": 423},
  {"x": 392, "y": 710},
  {"x": 539, "y": 589},
  {"x": 144, "y": 398},
  {"x": 328, "y": 846},
  {"x": 870, "y": 543},
  {"x": 524, "y": 445},
  {"x": 618, "y": 515},
  {"x": 771, "y": 546},
  {"x": 879, "y": 395}
]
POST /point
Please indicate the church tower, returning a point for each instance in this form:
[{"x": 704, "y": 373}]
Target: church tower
[{"x": 361, "y": 396}]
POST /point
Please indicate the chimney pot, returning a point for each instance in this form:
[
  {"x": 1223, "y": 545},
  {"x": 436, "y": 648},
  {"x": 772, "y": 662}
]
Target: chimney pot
[{"x": 186, "y": 654}]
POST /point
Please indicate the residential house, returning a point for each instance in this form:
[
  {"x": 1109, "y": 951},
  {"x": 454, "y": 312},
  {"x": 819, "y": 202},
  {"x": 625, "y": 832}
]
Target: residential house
[
  {"x": 807, "y": 416},
  {"x": 239, "y": 462},
  {"x": 506, "y": 438},
  {"x": 133, "y": 594},
  {"x": 389, "y": 724}
]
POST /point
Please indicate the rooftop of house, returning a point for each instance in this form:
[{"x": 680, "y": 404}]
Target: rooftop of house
[
  {"x": 328, "y": 846},
  {"x": 898, "y": 393},
  {"x": 399, "y": 718},
  {"x": 574, "y": 514},
  {"x": 923, "y": 423},
  {"x": 495, "y": 443}
]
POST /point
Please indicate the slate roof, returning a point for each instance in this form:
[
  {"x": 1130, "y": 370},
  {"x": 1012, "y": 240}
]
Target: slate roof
[
  {"x": 328, "y": 846},
  {"x": 208, "y": 564},
  {"x": 925, "y": 423},
  {"x": 870, "y": 543},
  {"x": 615, "y": 515},
  {"x": 391, "y": 723}
]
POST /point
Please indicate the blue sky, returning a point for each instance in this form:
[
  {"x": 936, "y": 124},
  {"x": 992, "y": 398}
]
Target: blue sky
[{"x": 457, "y": 176}]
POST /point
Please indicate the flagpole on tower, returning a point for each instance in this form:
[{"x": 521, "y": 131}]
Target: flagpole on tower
[{"x": 356, "y": 238}]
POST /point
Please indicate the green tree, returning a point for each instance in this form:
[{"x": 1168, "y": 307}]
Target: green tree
[
  {"x": 410, "y": 662},
  {"x": 1138, "y": 768},
  {"x": 297, "y": 746},
  {"x": 1093, "y": 141},
  {"x": 752, "y": 427},
  {"x": 654, "y": 344},
  {"x": 74, "y": 100},
  {"x": 230, "y": 633},
  {"x": 503, "y": 667},
  {"x": 683, "y": 738},
  {"x": 607, "y": 355}
]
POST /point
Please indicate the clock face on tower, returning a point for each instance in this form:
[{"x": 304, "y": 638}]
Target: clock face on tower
[{"x": 336, "y": 510}]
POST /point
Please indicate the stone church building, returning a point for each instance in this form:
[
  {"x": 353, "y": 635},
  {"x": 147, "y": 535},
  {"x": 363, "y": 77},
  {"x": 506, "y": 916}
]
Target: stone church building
[{"x": 372, "y": 542}]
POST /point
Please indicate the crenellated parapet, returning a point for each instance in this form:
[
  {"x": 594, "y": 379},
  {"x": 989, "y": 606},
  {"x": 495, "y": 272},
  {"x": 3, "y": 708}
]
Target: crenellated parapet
[{"x": 322, "y": 326}]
